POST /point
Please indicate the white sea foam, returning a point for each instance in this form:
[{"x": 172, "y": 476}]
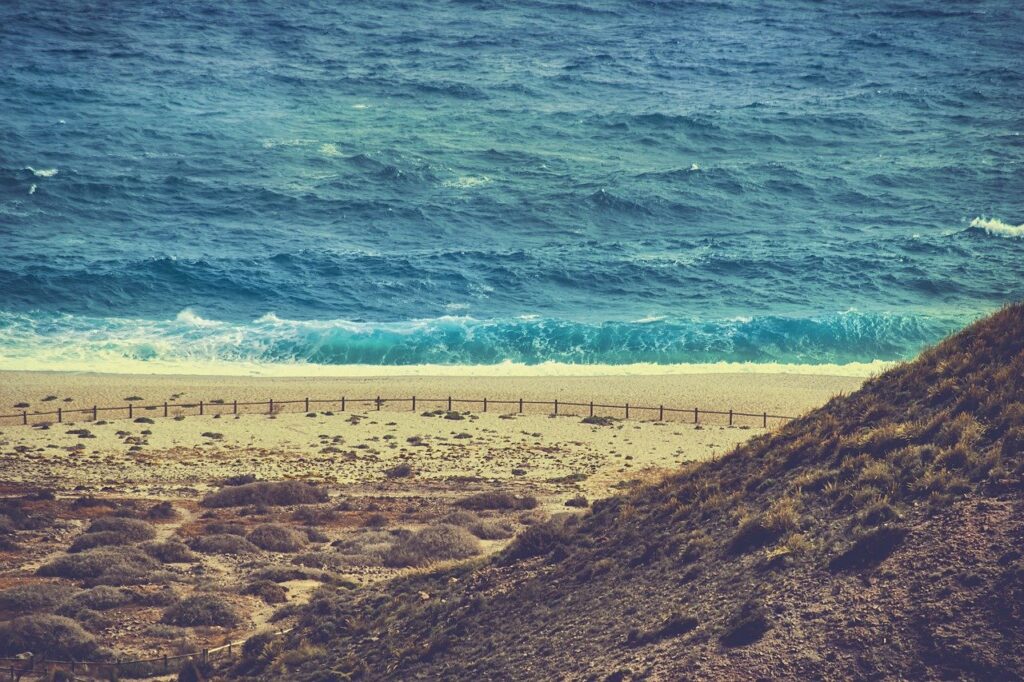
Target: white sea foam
[
  {"x": 42, "y": 172},
  {"x": 117, "y": 363},
  {"x": 32, "y": 189},
  {"x": 998, "y": 227},
  {"x": 328, "y": 149},
  {"x": 291, "y": 142},
  {"x": 468, "y": 182},
  {"x": 188, "y": 317}
]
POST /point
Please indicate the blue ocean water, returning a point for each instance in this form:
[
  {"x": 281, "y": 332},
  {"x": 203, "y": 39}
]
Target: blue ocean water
[{"x": 473, "y": 182}]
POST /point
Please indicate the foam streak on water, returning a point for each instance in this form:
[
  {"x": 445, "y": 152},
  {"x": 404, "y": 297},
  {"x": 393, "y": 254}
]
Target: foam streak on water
[{"x": 473, "y": 183}]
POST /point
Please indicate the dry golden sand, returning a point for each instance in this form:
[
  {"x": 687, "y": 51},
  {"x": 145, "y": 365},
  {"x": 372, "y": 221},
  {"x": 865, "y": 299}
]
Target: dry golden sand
[{"x": 357, "y": 446}]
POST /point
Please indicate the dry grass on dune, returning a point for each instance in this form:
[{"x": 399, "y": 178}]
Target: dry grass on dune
[{"x": 875, "y": 537}]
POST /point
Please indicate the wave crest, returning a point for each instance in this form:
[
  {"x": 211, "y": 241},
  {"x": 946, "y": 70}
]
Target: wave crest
[
  {"x": 998, "y": 227},
  {"x": 43, "y": 341}
]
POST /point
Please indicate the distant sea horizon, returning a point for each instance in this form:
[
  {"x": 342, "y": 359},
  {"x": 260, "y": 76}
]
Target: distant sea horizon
[{"x": 536, "y": 188}]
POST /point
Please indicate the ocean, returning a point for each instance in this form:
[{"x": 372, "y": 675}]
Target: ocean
[{"x": 268, "y": 186}]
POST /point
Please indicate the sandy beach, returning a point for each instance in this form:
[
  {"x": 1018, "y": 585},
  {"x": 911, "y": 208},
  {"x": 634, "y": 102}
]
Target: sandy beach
[
  {"x": 395, "y": 468},
  {"x": 358, "y": 445}
]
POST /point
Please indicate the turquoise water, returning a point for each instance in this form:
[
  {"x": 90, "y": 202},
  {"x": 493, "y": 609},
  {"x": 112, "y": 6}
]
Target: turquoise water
[{"x": 474, "y": 182}]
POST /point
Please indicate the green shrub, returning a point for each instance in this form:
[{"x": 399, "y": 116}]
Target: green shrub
[{"x": 278, "y": 493}]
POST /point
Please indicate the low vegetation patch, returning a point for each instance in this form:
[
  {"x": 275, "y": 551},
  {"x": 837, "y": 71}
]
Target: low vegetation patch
[
  {"x": 135, "y": 530},
  {"x": 201, "y": 609},
  {"x": 497, "y": 500},
  {"x": 222, "y": 543},
  {"x": 869, "y": 549},
  {"x": 32, "y": 597},
  {"x": 431, "y": 544},
  {"x": 170, "y": 552},
  {"x": 747, "y": 625},
  {"x": 267, "y": 590},
  {"x": 161, "y": 511},
  {"x": 275, "y": 537},
  {"x": 402, "y": 470},
  {"x": 48, "y": 636},
  {"x": 492, "y": 529},
  {"x": 101, "y": 598},
  {"x": 673, "y": 626},
  {"x": 103, "y": 565},
  {"x": 540, "y": 539},
  {"x": 276, "y": 493},
  {"x": 106, "y": 538}
]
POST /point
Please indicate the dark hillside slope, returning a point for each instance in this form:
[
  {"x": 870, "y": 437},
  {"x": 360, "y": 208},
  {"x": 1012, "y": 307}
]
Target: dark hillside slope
[{"x": 877, "y": 537}]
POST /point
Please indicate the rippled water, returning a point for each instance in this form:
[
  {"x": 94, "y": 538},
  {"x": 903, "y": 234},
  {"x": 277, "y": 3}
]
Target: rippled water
[{"x": 473, "y": 182}]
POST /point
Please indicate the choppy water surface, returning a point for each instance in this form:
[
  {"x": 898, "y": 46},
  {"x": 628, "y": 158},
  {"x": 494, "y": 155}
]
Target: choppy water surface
[{"x": 474, "y": 182}]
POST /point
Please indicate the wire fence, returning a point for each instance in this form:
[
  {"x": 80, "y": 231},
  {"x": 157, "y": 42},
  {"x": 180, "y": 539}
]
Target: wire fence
[
  {"x": 131, "y": 410},
  {"x": 32, "y": 667}
]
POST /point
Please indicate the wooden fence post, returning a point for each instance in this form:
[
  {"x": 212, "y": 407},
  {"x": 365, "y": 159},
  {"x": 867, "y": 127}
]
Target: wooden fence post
[
  {"x": 95, "y": 411},
  {"x": 200, "y": 408},
  {"x": 378, "y": 403},
  {"x": 730, "y": 417},
  {"x": 591, "y": 408},
  {"x": 695, "y": 415},
  {"x": 520, "y": 406},
  {"x": 270, "y": 406},
  {"x": 342, "y": 403},
  {"x": 165, "y": 409},
  {"x": 24, "y": 417},
  {"x": 556, "y": 406},
  {"x": 234, "y": 407},
  {"x": 627, "y": 410},
  {"x": 130, "y": 415},
  {"x": 165, "y": 662},
  {"x": 485, "y": 404},
  {"x": 766, "y": 420},
  {"x": 449, "y": 403},
  {"x": 60, "y": 416},
  {"x": 414, "y": 403},
  {"x": 307, "y": 404},
  {"x": 661, "y": 413}
]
